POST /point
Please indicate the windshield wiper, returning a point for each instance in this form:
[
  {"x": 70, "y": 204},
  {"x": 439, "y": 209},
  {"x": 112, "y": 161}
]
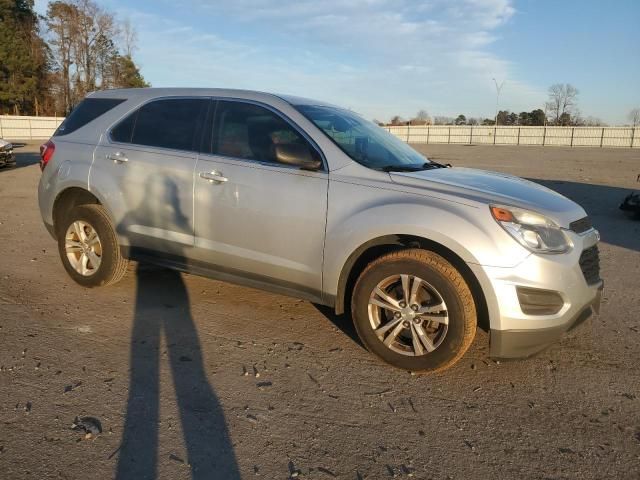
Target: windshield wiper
[
  {"x": 431, "y": 164},
  {"x": 402, "y": 168},
  {"x": 414, "y": 168}
]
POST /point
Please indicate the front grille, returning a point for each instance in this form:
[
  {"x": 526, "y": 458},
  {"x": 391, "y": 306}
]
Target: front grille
[
  {"x": 581, "y": 226},
  {"x": 590, "y": 265}
]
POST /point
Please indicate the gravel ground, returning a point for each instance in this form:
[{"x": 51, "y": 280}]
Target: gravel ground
[{"x": 191, "y": 377}]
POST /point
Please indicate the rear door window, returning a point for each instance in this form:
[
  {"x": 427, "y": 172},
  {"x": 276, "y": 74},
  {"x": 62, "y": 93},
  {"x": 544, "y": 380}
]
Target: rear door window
[
  {"x": 168, "y": 123},
  {"x": 248, "y": 131},
  {"x": 86, "y": 111}
]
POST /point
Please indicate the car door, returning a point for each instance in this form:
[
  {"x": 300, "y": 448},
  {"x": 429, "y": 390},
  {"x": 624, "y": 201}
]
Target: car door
[
  {"x": 254, "y": 217},
  {"x": 144, "y": 168}
]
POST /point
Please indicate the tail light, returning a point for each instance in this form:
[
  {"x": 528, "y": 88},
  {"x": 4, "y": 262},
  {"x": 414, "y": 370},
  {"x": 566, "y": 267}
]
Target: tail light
[{"x": 46, "y": 153}]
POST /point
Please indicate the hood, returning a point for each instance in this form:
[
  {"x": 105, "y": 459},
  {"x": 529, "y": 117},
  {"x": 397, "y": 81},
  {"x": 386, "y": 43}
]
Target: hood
[{"x": 493, "y": 187}]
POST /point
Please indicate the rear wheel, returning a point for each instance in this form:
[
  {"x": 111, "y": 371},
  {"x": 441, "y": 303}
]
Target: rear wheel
[
  {"x": 88, "y": 247},
  {"x": 414, "y": 310}
]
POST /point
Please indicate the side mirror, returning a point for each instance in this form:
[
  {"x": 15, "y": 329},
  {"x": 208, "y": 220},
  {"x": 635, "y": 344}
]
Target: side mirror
[{"x": 296, "y": 155}]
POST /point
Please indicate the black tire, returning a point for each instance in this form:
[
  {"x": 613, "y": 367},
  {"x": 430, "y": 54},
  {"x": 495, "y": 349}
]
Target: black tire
[
  {"x": 450, "y": 285},
  {"x": 113, "y": 265}
]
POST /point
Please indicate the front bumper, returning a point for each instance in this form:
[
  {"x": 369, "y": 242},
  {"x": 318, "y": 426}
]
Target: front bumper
[
  {"x": 524, "y": 343},
  {"x": 514, "y": 334}
]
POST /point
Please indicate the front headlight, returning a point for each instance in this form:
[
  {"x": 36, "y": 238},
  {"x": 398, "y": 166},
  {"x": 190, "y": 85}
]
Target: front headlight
[{"x": 532, "y": 230}]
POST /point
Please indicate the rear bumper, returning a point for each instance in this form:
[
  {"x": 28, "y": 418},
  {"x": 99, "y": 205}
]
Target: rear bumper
[{"x": 524, "y": 343}]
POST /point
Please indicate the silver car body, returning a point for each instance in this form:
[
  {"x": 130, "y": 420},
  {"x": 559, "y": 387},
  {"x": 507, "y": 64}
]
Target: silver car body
[{"x": 299, "y": 232}]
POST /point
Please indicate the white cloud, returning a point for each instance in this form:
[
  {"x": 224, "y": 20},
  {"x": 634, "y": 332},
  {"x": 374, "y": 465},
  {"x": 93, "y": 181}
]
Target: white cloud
[{"x": 380, "y": 57}]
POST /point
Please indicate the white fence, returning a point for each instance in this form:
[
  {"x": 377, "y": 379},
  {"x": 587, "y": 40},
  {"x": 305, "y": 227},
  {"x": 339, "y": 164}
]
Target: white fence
[
  {"x": 552, "y": 136},
  {"x": 28, "y": 128},
  {"x": 32, "y": 128}
]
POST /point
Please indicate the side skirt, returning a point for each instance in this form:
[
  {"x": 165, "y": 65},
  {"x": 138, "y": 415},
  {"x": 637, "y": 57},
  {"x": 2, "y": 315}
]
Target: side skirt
[{"x": 229, "y": 275}]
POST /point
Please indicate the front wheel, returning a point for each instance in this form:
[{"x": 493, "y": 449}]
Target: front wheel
[
  {"x": 414, "y": 310},
  {"x": 88, "y": 247}
]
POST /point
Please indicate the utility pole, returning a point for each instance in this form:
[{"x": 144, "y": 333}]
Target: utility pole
[{"x": 498, "y": 89}]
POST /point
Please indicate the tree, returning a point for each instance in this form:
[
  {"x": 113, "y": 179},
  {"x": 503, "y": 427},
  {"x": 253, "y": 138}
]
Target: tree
[
  {"x": 421, "y": 118},
  {"x": 125, "y": 73},
  {"x": 441, "y": 120},
  {"x": 129, "y": 38},
  {"x": 473, "y": 121},
  {"x": 422, "y": 115},
  {"x": 524, "y": 119},
  {"x": 397, "y": 120},
  {"x": 564, "y": 120},
  {"x": 537, "y": 118},
  {"x": 61, "y": 23},
  {"x": 87, "y": 58},
  {"x": 461, "y": 120},
  {"x": 24, "y": 57},
  {"x": 503, "y": 117},
  {"x": 488, "y": 121},
  {"x": 634, "y": 116},
  {"x": 562, "y": 100}
]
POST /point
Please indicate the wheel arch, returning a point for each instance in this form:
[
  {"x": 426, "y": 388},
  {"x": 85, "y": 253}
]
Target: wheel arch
[
  {"x": 69, "y": 198},
  {"x": 376, "y": 247}
]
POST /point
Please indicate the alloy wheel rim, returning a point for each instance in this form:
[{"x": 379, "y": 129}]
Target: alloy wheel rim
[
  {"x": 408, "y": 315},
  {"x": 83, "y": 248}
]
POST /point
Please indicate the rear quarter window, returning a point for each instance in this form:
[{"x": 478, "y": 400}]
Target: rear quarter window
[
  {"x": 166, "y": 123},
  {"x": 86, "y": 111}
]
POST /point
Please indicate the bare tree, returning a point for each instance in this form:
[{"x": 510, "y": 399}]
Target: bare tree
[
  {"x": 562, "y": 101},
  {"x": 421, "y": 118},
  {"x": 634, "y": 117},
  {"x": 61, "y": 23},
  {"x": 94, "y": 26},
  {"x": 422, "y": 115},
  {"x": 442, "y": 120},
  {"x": 129, "y": 38}
]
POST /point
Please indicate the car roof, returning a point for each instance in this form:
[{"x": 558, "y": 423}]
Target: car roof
[{"x": 144, "y": 93}]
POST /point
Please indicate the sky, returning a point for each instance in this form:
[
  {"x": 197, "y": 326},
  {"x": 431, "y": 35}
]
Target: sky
[{"x": 395, "y": 57}]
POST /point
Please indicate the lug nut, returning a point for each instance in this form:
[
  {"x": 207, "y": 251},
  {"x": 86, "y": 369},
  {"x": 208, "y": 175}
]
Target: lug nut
[
  {"x": 397, "y": 315},
  {"x": 405, "y": 324},
  {"x": 414, "y": 307},
  {"x": 402, "y": 304}
]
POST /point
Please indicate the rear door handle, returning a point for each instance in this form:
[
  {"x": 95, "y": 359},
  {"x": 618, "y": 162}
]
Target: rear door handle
[
  {"x": 213, "y": 177},
  {"x": 117, "y": 157}
]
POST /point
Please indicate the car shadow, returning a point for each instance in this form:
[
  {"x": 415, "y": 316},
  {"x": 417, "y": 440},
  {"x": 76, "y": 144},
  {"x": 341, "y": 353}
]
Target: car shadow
[
  {"x": 343, "y": 322},
  {"x": 162, "y": 310},
  {"x": 601, "y": 203}
]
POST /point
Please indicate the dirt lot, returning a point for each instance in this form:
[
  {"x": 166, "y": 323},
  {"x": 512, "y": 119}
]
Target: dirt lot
[{"x": 195, "y": 378}]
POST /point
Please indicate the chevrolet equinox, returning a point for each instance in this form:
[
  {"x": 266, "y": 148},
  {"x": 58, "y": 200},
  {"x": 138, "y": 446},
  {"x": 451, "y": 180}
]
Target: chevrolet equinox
[{"x": 307, "y": 199}]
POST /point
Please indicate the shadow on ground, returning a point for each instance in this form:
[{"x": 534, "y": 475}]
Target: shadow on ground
[
  {"x": 343, "y": 322},
  {"x": 162, "y": 309}
]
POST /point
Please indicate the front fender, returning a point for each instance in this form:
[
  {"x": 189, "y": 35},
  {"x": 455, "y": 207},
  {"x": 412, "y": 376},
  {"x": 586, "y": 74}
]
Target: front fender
[{"x": 468, "y": 231}]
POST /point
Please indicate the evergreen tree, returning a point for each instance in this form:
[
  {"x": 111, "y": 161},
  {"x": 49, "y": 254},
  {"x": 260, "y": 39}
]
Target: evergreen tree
[{"x": 24, "y": 58}]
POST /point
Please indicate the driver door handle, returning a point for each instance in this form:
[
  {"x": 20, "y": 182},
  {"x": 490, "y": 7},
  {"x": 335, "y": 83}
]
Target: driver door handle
[
  {"x": 117, "y": 157},
  {"x": 213, "y": 177}
]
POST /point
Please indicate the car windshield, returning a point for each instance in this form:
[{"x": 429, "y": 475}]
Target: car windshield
[{"x": 364, "y": 141}]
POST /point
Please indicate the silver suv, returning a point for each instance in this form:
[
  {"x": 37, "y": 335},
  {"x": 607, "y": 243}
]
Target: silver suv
[{"x": 310, "y": 200}]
